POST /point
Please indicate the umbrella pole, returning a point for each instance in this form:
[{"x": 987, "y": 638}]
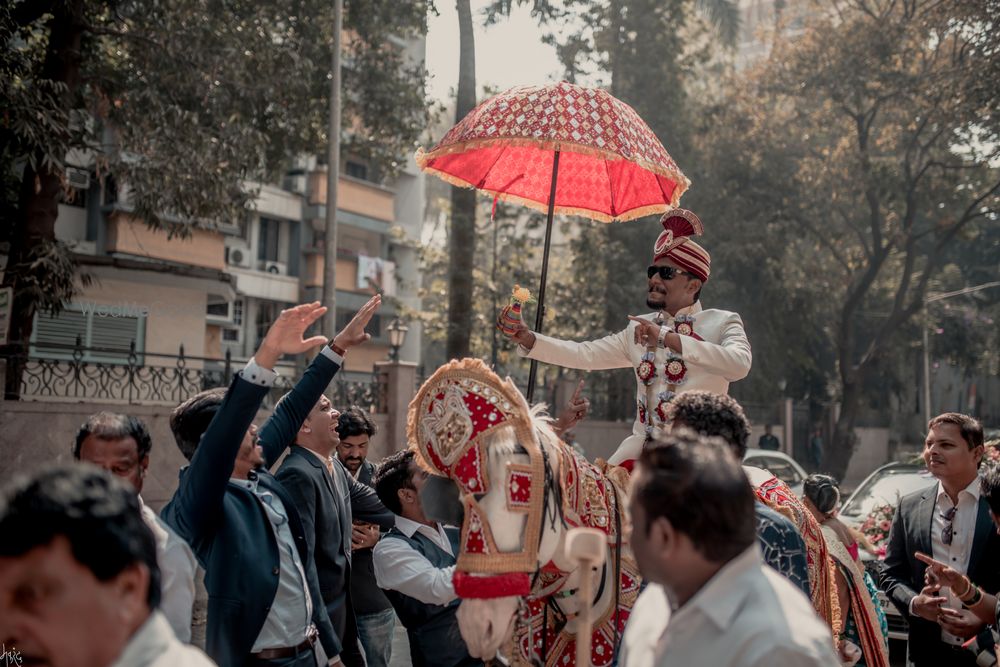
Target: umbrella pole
[{"x": 540, "y": 314}]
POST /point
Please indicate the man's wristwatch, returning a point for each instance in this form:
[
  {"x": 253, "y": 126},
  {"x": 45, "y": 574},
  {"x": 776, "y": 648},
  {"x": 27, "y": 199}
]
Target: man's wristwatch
[
  {"x": 336, "y": 348},
  {"x": 662, "y": 338}
]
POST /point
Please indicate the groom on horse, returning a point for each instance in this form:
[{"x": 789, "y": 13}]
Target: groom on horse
[{"x": 678, "y": 347}]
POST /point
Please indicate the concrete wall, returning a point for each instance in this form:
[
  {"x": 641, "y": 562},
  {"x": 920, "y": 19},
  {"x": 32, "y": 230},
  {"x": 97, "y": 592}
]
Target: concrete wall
[
  {"x": 202, "y": 248},
  {"x": 176, "y": 313},
  {"x": 33, "y": 435}
]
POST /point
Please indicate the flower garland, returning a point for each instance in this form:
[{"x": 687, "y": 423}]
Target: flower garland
[
  {"x": 675, "y": 370},
  {"x": 646, "y": 370},
  {"x": 661, "y": 407},
  {"x": 876, "y": 527},
  {"x": 684, "y": 325},
  {"x": 991, "y": 457}
]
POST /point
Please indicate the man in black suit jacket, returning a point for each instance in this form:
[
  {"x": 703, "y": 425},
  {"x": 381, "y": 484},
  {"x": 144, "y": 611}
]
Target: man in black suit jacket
[
  {"x": 326, "y": 496},
  {"x": 240, "y": 522},
  {"x": 950, "y": 521}
]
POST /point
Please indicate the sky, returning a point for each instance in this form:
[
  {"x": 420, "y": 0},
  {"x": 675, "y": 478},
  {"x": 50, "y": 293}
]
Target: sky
[{"x": 507, "y": 54}]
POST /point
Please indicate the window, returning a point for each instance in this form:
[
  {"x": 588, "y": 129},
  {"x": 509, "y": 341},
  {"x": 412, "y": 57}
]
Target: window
[
  {"x": 267, "y": 244},
  {"x": 107, "y": 332},
  {"x": 238, "y": 312},
  {"x": 779, "y": 467},
  {"x": 267, "y": 313},
  {"x": 231, "y": 335},
  {"x": 75, "y": 197},
  {"x": 356, "y": 170},
  {"x": 218, "y": 309}
]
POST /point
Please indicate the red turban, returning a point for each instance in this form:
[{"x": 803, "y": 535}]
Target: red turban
[{"x": 675, "y": 243}]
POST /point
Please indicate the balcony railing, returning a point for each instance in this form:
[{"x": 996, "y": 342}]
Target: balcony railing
[{"x": 145, "y": 378}]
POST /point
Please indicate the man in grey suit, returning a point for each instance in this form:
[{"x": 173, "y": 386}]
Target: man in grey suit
[
  {"x": 951, "y": 521},
  {"x": 327, "y": 499}
]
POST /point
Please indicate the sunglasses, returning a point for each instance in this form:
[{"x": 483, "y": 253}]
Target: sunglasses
[
  {"x": 665, "y": 272},
  {"x": 948, "y": 534}
]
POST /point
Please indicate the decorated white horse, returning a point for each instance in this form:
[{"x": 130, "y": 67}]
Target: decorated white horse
[{"x": 521, "y": 488}]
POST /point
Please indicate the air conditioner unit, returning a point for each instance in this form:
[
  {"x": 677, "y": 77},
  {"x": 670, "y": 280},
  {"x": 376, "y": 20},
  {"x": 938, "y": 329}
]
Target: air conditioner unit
[
  {"x": 239, "y": 257},
  {"x": 277, "y": 268},
  {"x": 78, "y": 178}
]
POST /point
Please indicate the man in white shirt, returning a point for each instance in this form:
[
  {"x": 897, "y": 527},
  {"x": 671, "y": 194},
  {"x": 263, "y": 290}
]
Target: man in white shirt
[
  {"x": 728, "y": 608},
  {"x": 678, "y": 347},
  {"x": 951, "y": 521},
  {"x": 414, "y": 564},
  {"x": 79, "y": 582},
  {"x": 120, "y": 444}
]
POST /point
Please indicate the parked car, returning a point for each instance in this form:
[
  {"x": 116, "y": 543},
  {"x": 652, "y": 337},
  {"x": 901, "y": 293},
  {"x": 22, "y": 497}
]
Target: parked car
[
  {"x": 781, "y": 465},
  {"x": 885, "y": 486}
]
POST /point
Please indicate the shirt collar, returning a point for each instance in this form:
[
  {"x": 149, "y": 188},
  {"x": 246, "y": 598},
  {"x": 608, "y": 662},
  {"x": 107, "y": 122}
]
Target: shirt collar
[
  {"x": 973, "y": 489},
  {"x": 693, "y": 309},
  {"x": 408, "y": 527},
  {"x": 249, "y": 483},
  {"x": 322, "y": 459},
  {"x": 151, "y": 640},
  {"x": 721, "y": 596}
]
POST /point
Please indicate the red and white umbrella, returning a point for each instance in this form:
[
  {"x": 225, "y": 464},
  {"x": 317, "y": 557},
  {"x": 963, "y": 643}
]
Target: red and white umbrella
[{"x": 560, "y": 148}]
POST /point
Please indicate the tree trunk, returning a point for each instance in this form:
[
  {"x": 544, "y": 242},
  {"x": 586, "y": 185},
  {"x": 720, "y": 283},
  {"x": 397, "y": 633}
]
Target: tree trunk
[
  {"x": 462, "y": 240},
  {"x": 38, "y": 199},
  {"x": 841, "y": 448}
]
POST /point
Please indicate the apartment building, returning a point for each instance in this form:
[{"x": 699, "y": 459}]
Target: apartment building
[{"x": 217, "y": 290}]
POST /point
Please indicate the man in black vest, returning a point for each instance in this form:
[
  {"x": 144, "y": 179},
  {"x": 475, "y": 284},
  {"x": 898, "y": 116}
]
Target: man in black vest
[
  {"x": 414, "y": 564},
  {"x": 372, "y": 609}
]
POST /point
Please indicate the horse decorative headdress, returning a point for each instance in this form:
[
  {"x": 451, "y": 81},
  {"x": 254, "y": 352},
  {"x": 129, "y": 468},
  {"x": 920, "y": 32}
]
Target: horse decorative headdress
[{"x": 451, "y": 421}]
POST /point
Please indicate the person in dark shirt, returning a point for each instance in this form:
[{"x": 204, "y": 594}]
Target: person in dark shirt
[
  {"x": 375, "y": 618},
  {"x": 768, "y": 440}
]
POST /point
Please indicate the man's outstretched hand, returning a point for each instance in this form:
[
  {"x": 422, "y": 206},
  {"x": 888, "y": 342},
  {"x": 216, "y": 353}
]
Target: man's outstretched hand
[
  {"x": 286, "y": 334},
  {"x": 523, "y": 336},
  {"x": 354, "y": 333}
]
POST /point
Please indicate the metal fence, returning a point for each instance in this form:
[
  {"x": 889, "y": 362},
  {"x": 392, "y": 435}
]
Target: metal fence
[{"x": 71, "y": 373}]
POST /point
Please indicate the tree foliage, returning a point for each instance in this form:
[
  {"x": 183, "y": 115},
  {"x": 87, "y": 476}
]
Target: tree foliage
[
  {"x": 179, "y": 105},
  {"x": 856, "y": 160}
]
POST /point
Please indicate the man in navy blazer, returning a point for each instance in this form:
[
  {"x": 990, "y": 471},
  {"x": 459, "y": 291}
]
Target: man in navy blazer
[
  {"x": 326, "y": 498},
  {"x": 265, "y": 605},
  {"x": 950, "y": 521}
]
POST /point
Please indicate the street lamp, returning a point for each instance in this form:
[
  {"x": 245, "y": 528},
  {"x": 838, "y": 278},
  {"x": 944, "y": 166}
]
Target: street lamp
[
  {"x": 931, "y": 298},
  {"x": 397, "y": 336}
]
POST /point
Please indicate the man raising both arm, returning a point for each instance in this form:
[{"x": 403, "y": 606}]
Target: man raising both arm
[
  {"x": 264, "y": 600},
  {"x": 678, "y": 347}
]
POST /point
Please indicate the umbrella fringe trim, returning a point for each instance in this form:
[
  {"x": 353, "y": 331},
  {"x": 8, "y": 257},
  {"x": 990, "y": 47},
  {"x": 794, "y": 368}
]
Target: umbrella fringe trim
[
  {"x": 641, "y": 212},
  {"x": 423, "y": 158}
]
